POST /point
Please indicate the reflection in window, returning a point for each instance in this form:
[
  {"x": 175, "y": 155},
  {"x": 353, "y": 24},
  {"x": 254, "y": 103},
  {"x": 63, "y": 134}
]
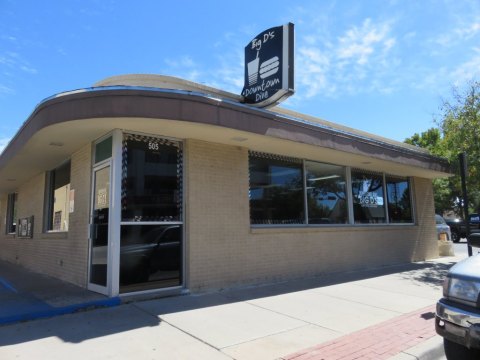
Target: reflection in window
[
  {"x": 326, "y": 196},
  {"x": 150, "y": 257},
  {"x": 11, "y": 220},
  {"x": 103, "y": 150},
  {"x": 399, "y": 203},
  {"x": 151, "y": 181},
  {"x": 276, "y": 190},
  {"x": 58, "y": 198},
  {"x": 367, "y": 191}
]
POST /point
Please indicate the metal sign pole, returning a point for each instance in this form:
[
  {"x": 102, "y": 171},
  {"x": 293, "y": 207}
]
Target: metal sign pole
[{"x": 462, "y": 157}]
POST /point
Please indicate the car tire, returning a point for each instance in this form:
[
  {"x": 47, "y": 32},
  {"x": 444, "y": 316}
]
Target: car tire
[
  {"x": 455, "y": 237},
  {"x": 454, "y": 351}
]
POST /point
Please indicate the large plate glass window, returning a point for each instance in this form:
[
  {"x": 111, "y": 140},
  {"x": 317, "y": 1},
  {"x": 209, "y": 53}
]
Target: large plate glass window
[
  {"x": 399, "y": 200},
  {"x": 326, "y": 193},
  {"x": 11, "y": 220},
  {"x": 58, "y": 198},
  {"x": 276, "y": 190},
  {"x": 368, "y": 197},
  {"x": 151, "y": 221}
]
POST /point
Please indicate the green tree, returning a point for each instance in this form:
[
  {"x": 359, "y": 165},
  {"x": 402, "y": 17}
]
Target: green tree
[
  {"x": 460, "y": 126},
  {"x": 458, "y": 131},
  {"x": 430, "y": 140},
  {"x": 444, "y": 194}
]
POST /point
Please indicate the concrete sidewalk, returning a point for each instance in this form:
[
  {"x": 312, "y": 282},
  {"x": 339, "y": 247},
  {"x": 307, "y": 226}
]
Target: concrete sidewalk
[
  {"x": 25, "y": 295},
  {"x": 341, "y": 316}
]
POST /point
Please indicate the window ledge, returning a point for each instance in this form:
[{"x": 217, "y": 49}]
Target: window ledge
[
  {"x": 53, "y": 235},
  {"x": 268, "y": 229}
]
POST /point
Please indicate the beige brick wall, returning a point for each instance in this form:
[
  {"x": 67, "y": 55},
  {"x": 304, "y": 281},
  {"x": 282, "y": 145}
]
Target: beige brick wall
[
  {"x": 217, "y": 214},
  {"x": 223, "y": 251},
  {"x": 62, "y": 255}
]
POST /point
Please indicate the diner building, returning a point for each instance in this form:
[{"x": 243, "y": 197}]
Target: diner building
[{"x": 152, "y": 184}]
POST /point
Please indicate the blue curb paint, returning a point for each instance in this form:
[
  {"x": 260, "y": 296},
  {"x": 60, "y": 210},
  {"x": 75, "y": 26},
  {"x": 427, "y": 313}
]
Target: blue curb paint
[
  {"x": 110, "y": 302},
  {"x": 7, "y": 285}
]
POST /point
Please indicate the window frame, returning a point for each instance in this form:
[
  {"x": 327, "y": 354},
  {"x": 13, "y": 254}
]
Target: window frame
[
  {"x": 288, "y": 163},
  {"x": 350, "y": 221},
  {"x": 355, "y": 204},
  {"x": 408, "y": 180}
]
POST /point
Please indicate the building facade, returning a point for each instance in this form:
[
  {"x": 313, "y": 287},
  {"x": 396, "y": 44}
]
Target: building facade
[{"x": 148, "y": 183}]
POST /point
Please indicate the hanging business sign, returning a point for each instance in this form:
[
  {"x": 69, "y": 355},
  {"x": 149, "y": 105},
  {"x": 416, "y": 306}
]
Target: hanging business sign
[{"x": 269, "y": 76}]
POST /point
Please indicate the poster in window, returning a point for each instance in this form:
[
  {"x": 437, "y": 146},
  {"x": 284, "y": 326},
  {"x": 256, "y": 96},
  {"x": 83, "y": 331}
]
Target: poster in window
[
  {"x": 25, "y": 227},
  {"x": 102, "y": 198},
  {"x": 72, "y": 201}
]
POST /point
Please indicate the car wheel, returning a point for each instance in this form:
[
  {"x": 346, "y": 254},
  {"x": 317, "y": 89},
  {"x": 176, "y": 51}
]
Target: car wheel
[
  {"x": 455, "y": 237},
  {"x": 455, "y": 351}
]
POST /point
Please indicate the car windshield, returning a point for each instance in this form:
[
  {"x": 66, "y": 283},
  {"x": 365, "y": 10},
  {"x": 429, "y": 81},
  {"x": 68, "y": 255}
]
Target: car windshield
[{"x": 439, "y": 220}]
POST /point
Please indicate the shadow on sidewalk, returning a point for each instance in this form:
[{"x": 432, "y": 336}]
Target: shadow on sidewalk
[
  {"x": 87, "y": 325},
  {"x": 422, "y": 274}
]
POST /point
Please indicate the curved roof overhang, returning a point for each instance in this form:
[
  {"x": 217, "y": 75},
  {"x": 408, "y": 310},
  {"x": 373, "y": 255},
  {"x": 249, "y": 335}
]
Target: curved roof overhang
[{"x": 62, "y": 124}]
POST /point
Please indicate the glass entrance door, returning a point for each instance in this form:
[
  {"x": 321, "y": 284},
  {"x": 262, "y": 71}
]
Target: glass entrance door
[
  {"x": 99, "y": 231},
  {"x": 151, "y": 227}
]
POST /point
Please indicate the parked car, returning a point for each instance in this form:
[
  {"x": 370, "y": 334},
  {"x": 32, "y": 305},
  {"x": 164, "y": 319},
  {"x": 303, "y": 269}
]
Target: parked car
[
  {"x": 442, "y": 228},
  {"x": 158, "y": 250},
  {"x": 458, "y": 312},
  {"x": 458, "y": 227}
]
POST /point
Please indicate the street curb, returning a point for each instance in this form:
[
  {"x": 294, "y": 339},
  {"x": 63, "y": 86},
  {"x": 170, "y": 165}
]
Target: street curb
[
  {"x": 434, "y": 353},
  {"x": 431, "y": 349},
  {"x": 110, "y": 302}
]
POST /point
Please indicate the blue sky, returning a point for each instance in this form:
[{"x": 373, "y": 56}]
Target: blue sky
[{"x": 382, "y": 66}]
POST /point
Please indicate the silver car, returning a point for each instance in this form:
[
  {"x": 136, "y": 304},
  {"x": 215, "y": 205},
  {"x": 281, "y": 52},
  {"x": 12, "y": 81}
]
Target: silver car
[
  {"x": 443, "y": 230},
  {"x": 458, "y": 312}
]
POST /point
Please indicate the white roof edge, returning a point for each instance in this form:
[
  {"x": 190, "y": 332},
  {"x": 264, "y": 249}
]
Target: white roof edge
[
  {"x": 175, "y": 83},
  {"x": 165, "y": 82}
]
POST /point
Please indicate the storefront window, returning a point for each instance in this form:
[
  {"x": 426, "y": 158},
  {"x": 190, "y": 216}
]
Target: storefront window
[
  {"x": 286, "y": 190},
  {"x": 276, "y": 190},
  {"x": 326, "y": 195},
  {"x": 58, "y": 198},
  {"x": 368, "y": 197},
  {"x": 151, "y": 183},
  {"x": 399, "y": 201}
]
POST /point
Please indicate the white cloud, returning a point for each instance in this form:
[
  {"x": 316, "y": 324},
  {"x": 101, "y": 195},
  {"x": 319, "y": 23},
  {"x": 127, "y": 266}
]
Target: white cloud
[
  {"x": 181, "y": 62},
  {"x": 468, "y": 70},
  {"x": 6, "y": 90},
  {"x": 357, "y": 61},
  {"x": 183, "y": 67},
  {"x": 463, "y": 32},
  {"x": 14, "y": 60},
  {"x": 469, "y": 31},
  {"x": 359, "y": 43},
  {"x": 313, "y": 66},
  {"x": 8, "y": 38},
  {"x": 28, "y": 69}
]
